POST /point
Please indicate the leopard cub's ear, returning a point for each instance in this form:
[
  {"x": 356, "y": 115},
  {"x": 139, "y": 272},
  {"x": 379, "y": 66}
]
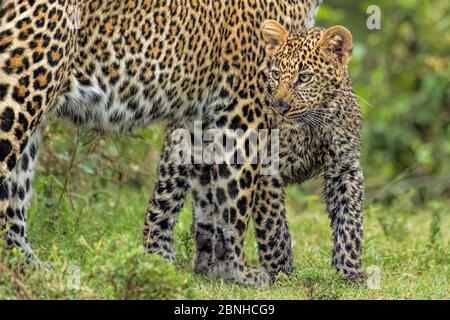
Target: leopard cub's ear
[
  {"x": 274, "y": 35},
  {"x": 338, "y": 42}
]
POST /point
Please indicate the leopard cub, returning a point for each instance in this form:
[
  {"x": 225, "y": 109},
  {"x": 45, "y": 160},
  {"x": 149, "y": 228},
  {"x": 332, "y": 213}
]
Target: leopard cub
[
  {"x": 310, "y": 100},
  {"x": 313, "y": 105}
]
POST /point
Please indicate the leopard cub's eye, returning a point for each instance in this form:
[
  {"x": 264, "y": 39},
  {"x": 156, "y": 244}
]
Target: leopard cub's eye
[
  {"x": 304, "y": 78},
  {"x": 276, "y": 74}
]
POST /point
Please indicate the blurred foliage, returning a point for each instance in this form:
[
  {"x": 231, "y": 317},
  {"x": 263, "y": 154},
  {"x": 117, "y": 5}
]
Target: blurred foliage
[{"x": 402, "y": 75}]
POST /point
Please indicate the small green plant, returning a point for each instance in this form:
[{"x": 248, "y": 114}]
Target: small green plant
[
  {"x": 435, "y": 226},
  {"x": 52, "y": 281},
  {"x": 130, "y": 274}
]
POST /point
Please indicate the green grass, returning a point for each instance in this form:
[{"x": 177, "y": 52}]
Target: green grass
[{"x": 100, "y": 238}]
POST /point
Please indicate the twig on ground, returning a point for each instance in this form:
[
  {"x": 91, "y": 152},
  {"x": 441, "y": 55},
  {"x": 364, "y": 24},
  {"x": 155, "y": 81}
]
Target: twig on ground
[{"x": 69, "y": 170}]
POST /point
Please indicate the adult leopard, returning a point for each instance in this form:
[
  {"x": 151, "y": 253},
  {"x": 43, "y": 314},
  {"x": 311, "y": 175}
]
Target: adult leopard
[
  {"x": 113, "y": 66},
  {"x": 311, "y": 102}
]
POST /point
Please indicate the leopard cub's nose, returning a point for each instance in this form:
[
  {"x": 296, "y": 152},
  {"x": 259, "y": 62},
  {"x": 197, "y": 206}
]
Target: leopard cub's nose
[{"x": 281, "y": 106}]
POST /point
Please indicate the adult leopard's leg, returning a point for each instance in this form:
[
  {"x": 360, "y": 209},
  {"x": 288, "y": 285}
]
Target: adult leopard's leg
[
  {"x": 344, "y": 195},
  {"x": 15, "y": 195},
  {"x": 35, "y": 45},
  {"x": 167, "y": 202},
  {"x": 229, "y": 190},
  {"x": 204, "y": 225},
  {"x": 219, "y": 239},
  {"x": 271, "y": 227}
]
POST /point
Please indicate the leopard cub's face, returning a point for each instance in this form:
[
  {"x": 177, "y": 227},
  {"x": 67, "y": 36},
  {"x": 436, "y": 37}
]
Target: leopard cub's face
[{"x": 306, "y": 68}]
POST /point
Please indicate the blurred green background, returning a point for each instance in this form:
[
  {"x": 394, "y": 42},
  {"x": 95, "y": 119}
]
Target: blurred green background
[{"x": 91, "y": 192}]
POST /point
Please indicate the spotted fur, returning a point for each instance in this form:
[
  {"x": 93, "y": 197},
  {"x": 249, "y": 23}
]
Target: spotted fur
[
  {"x": 313, "y": 105},
  {"x": 115, "y": 66}
]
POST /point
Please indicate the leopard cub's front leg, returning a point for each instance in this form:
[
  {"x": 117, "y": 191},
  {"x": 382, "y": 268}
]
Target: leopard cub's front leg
[{"x": 344, "y": 195}]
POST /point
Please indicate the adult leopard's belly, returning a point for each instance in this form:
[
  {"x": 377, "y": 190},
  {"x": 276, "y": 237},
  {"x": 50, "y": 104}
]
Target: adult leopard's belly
[{"x": 129, "y": 106}]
